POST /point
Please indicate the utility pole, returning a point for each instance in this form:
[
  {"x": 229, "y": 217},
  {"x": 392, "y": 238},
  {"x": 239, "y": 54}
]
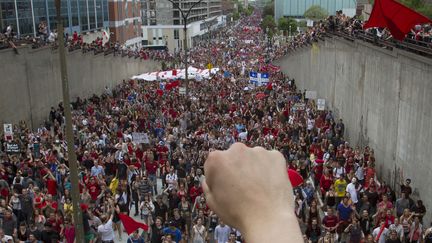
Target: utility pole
[
  {"x": 185, "y": 17},
  {"x": 77, "y": 215}
]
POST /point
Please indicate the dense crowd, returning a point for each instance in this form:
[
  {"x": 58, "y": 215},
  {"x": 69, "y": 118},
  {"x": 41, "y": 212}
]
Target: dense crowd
[{"x": 138, "y": 135}]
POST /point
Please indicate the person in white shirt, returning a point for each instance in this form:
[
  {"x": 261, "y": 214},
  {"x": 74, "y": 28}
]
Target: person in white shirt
[
  {"x": 171, "y": 179},
  {"x": 352, "y": 190},
  {"x": 398, "y": 228},
  {"x": 106, "y": 230},
  {"x": 222, "y": 232},
  {"x": 380, "y": 233}
]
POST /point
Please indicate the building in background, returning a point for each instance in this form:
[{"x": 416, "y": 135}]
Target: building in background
[
  {"x": 83, "y": 16},
  {"x": 162, "y": 24},
  {"x": 228, "y": 6},
  {"x": 297, "y": 8},
  {"x": 125, "y": 22},
  {"x": 245, "y": 3}
]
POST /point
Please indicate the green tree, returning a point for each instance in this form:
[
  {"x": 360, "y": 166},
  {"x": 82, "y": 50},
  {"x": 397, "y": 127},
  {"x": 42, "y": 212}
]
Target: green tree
[
  {"x": 268, "y": 24},
  {"x": 284, "y": 24},
  {"x": 316, "y": 12},
  {"x": 236, "y": 15},
  {"x": 421, "y": 6},
  {"x": 250, "y": 10}
]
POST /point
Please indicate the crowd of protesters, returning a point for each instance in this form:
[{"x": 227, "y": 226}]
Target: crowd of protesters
[{"x": 120, "y": 173}]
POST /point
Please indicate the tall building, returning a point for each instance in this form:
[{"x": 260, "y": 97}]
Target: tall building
[
  {"x": 163, "y": 25},
  {"x": 297, "y": 8},
  {"x": 245, "y": 3},
  {"x": 78, "y": 15},
  {"x": 125, "y": 21},
  {"x": 228, "y": 6}
]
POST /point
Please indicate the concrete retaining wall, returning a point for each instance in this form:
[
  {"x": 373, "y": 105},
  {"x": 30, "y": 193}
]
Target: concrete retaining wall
[
  {"x": 384, "y": 98},
  {"x": 31, "y": 82}
]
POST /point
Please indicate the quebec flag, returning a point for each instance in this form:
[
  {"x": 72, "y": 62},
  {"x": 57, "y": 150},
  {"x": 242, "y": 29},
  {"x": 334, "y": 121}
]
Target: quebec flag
[
  {"x": 162, "y": 85},
  {"x": 253, "y": 78},
  {"x": 264, "y": 78}
]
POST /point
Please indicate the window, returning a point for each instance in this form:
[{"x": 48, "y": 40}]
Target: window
[
  {"x": 99, "y": 13},
  {"x": 83, "y": 15},
  {"x": 74, "y": 12},
  {"x": 176, "y": 35},
  {"x": 92, "y": 14}
]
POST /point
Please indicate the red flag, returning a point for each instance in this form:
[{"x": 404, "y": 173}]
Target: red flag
[
  {"x": 269, "y": 86},
  {"x": 168, "y": 86},
  {"x": 159, "y": 92},
  {"x": 398, "y": 18},
  {"x": 295, "y": 178},
  {"x": 175, "y": 83},
  {"x": 131, "y": 225},
  {"x": 260, "y": 96},
  {"x": 174, "y": 72}
]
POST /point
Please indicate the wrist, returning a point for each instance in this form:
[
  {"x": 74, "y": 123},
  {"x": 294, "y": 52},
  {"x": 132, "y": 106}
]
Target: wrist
[{"x": 279, "y": 227}]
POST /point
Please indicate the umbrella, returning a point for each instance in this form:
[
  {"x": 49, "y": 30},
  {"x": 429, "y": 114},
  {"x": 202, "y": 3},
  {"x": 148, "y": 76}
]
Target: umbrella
[
  {"x": 260, "y": 96},
  {"x": 295, "y": 178}
]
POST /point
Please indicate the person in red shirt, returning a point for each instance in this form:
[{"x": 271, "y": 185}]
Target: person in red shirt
[
  {"x": 326, "y": 182},
  {"x": 195, "y": 191},
  {"x": 151, "y": 167},
  {"x": 93, "y": 188},
  {"x": 330, "y": 222},
  {"x": 56, "y": 222},
  {"x": 51, "y": 184},
  {"x": 49, "y": 206}
]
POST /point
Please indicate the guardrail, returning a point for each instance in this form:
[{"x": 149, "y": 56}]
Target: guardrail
[{"x": 414, "y": 46}]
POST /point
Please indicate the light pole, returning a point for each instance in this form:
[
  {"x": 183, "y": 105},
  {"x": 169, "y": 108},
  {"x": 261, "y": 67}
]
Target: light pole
[
  {"x": 185, "y": 17},
  {"x": 290, "y": 32},
  {"x": 77, "y": 216}
]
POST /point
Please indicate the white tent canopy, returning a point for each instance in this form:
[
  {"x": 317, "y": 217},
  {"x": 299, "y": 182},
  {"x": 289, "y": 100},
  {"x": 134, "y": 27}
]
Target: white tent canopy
[{"x": 193, "y": 73}]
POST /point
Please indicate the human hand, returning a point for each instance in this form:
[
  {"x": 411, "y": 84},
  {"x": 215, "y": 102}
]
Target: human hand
[{"x": 249, "y": 186}]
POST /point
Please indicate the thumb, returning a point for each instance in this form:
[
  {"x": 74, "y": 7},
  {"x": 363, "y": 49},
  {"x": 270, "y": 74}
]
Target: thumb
[{"x": 208, "y": 195}]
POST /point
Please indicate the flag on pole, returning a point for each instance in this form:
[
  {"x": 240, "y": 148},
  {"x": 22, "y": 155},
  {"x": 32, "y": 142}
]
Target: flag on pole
[
  {"x": 131, "y": 225},
  {"x": 253, "y": 78},
  {"x": 264, "y": 80},
  {"x": 395, "y": 16}
]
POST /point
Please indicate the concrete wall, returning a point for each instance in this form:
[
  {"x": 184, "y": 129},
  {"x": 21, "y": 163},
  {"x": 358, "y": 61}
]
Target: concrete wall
[
  {"x": 384, "y": 98},
  {"x": 31, "y": 82}
]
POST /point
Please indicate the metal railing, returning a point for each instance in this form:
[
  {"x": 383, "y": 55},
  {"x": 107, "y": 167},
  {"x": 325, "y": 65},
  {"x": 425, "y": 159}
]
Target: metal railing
[{"x": 414, "y": 46}]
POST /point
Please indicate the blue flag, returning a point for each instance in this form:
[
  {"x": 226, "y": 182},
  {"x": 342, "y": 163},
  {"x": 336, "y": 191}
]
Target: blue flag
[{"x": 253, "y": 78}]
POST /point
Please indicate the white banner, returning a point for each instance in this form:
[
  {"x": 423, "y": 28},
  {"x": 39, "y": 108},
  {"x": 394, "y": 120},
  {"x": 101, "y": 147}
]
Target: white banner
[
  {"x": 321, "y": 104},
  {"x": 140, "y": 137},
  {"x": 310, "y": 94},
  {"x": 182, "y": 90},
  {"x": 8, "y": 132}
]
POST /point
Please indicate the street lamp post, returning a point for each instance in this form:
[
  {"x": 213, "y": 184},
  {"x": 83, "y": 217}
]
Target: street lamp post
[
  {"x": 290, "y": 32},
  {"x": 185, "y": 16},
  {"x": 77, "y": 216}
]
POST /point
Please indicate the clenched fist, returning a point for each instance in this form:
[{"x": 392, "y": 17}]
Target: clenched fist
[{"x": 250, "y": 190}]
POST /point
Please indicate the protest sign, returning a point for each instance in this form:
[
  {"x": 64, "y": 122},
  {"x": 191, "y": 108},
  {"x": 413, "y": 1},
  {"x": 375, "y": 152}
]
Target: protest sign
[
  {"x": 311, "y": 94},
  {"x": 12, "y": 148},
  {"x": 321, "y": 104},
  {"x": 182, "y": 90},
  {"x": 8, "y": 132},
  {"x": 140, "y": 137},
  {"x": 298, "y": 107}
]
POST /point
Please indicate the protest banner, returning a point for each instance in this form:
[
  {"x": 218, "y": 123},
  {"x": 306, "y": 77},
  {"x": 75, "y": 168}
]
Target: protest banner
[
  {"x": 12, "y": 148},
  {"x": 8, "y": 132},
  {"x": 311, "y": 94},
  {"x": 321, "y": 104},
  {"x": 140, "y": 137}
]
